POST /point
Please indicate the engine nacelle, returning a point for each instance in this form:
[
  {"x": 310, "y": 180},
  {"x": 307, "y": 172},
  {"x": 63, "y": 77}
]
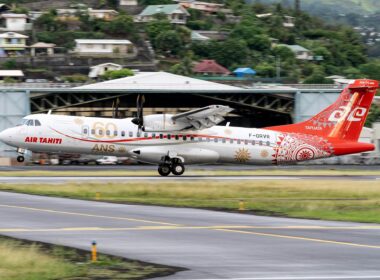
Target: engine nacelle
[{"x": 162, "y": 122}]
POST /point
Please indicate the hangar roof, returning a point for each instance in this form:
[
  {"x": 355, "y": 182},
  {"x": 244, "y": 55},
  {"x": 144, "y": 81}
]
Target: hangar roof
[{"x": 158, "y": 81}]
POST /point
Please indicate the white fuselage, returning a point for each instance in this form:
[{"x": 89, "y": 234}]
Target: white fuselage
[{"x": 120, "y": 137}]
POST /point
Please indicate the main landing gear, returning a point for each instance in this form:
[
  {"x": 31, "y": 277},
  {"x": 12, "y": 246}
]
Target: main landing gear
[{"x": 171, "y": 165}]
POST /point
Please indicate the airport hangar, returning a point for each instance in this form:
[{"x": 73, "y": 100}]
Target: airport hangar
[{"x": 256, "y": 106}]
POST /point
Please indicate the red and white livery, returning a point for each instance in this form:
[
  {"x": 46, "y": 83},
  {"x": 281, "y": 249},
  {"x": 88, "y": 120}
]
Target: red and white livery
[{"x": 171, "y": 141}]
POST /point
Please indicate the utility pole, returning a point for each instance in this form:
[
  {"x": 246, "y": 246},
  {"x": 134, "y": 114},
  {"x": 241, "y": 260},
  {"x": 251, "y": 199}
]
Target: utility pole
[{"x": 297, "y": 6}]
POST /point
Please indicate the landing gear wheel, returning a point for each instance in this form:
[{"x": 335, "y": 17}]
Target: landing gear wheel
[
  {"x": 164, "y": 170},
  {"x": 20, "y": 159},
  {"x": 178, "y": 169}
]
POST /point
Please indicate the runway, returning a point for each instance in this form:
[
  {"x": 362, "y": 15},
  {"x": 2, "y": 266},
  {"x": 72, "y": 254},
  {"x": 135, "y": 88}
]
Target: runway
[
  {"x": 210, "y": 244},
  {"x": 126, "y": 179}
]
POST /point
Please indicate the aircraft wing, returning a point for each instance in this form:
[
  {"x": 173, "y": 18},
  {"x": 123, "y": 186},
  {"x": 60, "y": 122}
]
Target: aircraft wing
[{"x": 205, "y": 117}]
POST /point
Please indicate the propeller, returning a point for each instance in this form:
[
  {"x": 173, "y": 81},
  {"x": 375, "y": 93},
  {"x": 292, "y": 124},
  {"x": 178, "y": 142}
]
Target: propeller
[
  {"x": 115, "y": 108},
  {"x": 139, "y": 120}
]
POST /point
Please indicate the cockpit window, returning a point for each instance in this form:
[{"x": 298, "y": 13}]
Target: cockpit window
[
  {"x": 30, "y": 123},
  {"x": 37, "y": 123}
]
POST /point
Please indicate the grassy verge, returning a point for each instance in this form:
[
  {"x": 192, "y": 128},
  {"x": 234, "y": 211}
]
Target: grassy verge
[
  {"x": 199, "y": 172},
  {"x": 333, "y": 200},
  {"x": 25, "y": 260}
]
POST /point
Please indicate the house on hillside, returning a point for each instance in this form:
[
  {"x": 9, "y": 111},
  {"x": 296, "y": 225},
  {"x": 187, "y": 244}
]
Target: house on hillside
[
  {"x": 17, "y": 75},
  {"x": 210, "y": 67},
  {"x": 103, "y": 46},
  {"x": 12, "y": 44},
  {"x": 73, "y": 14},
  {"x": 207, "y": 7},
  {"x": 204, "y": 35},
  {"x": 175, "y": 12},
  {"x": 102, "y": 14},
  {"x": 100, "y": 69},
  {"x": 128, "y": 3},
  {"x": 300, "y": 52},
  {"x": 14, "y": 22},
  {"x": 42, "y": 49}
]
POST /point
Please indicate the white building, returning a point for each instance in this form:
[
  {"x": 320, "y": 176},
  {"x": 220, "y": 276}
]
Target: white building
[
  {"x": 100, "y": 69},
  {"x": 14, "y": 74},
  {"x": 103, "y": 46},
  {"x": 12, "y": 44},
  {"x": 300, "y": 52},
  {"x": 15, "y": 22},
  {"x": 128, "y": 3},
  {"x": 175, "y": 13},
  {"x": 102, "y": 14}
]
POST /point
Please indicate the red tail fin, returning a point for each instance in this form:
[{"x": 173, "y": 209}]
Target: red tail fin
[{"x": 344, "y": 119}]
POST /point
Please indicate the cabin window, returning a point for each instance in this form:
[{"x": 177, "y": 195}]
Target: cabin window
[
  {"x": 176, "y": 137},
  {"x": 169, "y": 136},
  {"x": 92, "y": 131},
  {"x": 37, "y": 123},
  {"x": 123, "y": 133},
  {"x": 223, "y": 140},
  {"x": 115, "y": 133},
  {"x": 231, "y": 141},
  {"x": 253, "y": 142},
  {"x": 246, "y": 142},
  {"x": 138, "y": 134},
  {"x": 238, "y": 141},
  {"x": 108, "y": 132},
  {"x": 184, "y": 137},
  {"x": 100, "y": 132},
  {"x": 153, "y": 135},
  {"x": 145, "y": 135},
  {"x": 130, "y": 134},
  {"x": 268, "y": 143},
  {"x": 161, "y": 136},
  {"x": 192, "y": 138},
  {"x": 260, "y": 143},
  {"x": 208, "y": 139},
  {"x": 200, "y": 139},
  {"x": 85, "y": 130},
  {"x": 216, "y": 140}
]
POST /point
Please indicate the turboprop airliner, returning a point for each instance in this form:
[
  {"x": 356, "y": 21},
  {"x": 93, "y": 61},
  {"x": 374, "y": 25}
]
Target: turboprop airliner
[{"x": 174, "y": 140}]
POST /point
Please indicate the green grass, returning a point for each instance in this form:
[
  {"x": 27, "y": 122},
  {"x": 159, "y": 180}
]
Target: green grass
[
  {"x": 197, "y": 172},
  {"x": 332, "y": 200},
  {"x": 24, "y": 260}
]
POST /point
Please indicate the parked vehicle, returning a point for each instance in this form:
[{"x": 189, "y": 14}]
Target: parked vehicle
[{"x": 107, "y": 160}]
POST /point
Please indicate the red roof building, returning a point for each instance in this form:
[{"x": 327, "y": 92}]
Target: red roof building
[{"x": 210, "y": 67}]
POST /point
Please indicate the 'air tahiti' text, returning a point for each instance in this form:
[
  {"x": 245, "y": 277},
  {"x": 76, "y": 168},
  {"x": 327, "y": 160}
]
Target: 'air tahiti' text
[{"x": 43, "y": 140}]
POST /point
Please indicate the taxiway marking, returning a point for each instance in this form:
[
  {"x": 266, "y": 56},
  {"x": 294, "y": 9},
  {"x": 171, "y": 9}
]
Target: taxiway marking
[
  {"x": 87, "y": 215},
  {"x": 301, "y": 238},
  {"x": 213, "y": 227}
]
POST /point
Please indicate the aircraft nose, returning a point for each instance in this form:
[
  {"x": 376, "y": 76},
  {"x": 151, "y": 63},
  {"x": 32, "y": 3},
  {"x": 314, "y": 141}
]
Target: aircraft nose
[{"x": 5, "y": 135}]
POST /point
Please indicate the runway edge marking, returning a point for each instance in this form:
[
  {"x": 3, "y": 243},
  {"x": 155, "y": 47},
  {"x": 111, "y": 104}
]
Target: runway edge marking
[{"x": 87, "y": 215}]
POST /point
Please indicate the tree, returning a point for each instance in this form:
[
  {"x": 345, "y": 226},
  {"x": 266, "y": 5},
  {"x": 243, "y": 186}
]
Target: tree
[
  {"x": 184, "y": 68},
  {"x": 121, "y": 25},
  {"x": 169, "y": 42},
  {"x": 155, "y": 27},
  {"x": 317, "y": 77},
  {"x": 373, "y": 116},
  {"x": 116, "y": 74},
  {"x": 230, "y": 52},
  {"x": 371, "y": 70}
]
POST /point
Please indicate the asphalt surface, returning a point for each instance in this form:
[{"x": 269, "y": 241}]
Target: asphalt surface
[
  {"x": 210, "y": 244},
  {"x": 126, "y": 179}
]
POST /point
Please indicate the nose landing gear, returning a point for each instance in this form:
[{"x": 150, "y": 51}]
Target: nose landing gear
[
  {"x": 20, "y": 158},
  {"x": 171, "y": 165}
]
